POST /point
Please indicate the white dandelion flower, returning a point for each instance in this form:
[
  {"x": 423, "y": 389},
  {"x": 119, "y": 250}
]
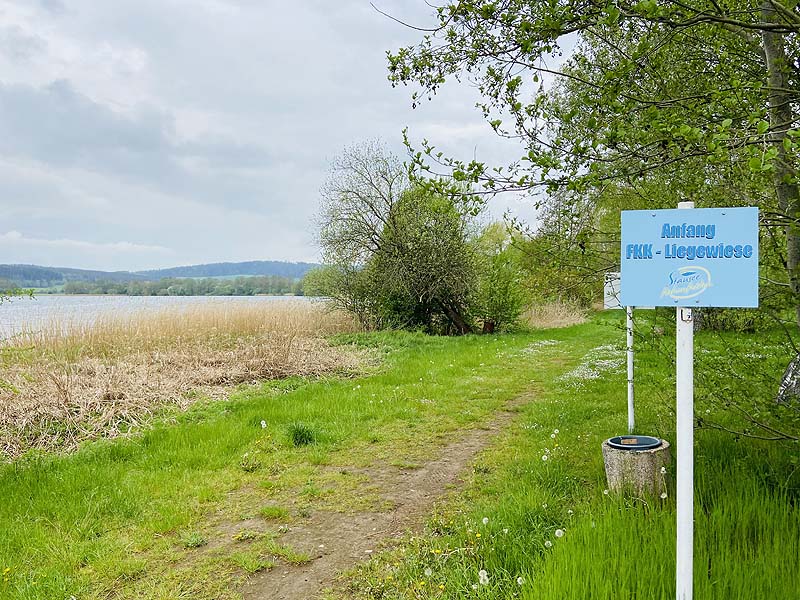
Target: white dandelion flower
[
  {"x": 555, "y": 430},
  {"x": 605, "y": 492},
  {"x": 520, "y": 581},
  {"x": 559, "y": 533},
  {"x": 553, "y": 435},
  {"x": 483, "y": 577},
  {"x": 548, "y": 544},
  {"x": 485, "y": 520}
]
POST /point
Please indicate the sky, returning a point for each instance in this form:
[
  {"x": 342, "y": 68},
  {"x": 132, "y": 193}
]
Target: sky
[{"x": 140, "y": 134}]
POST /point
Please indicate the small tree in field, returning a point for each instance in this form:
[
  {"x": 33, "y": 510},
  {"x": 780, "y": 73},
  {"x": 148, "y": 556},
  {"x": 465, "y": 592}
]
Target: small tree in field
[{"x": 396, "y": 254}]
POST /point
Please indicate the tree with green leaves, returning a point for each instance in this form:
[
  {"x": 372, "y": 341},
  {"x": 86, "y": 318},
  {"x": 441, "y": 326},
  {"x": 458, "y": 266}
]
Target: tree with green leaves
[
  {"x": 395, "y": 254},
  {"x": 657, "y": 99}
]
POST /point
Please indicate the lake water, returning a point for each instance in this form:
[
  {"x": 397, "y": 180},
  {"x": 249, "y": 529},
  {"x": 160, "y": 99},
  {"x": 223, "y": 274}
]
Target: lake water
[{"x": 30, "y": 313}]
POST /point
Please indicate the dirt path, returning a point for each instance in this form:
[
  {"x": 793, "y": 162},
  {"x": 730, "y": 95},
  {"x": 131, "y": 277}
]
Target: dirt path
[{"x": 338, "y": 541}]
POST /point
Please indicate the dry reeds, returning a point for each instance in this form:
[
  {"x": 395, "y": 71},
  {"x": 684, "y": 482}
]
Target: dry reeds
[
  {"x": 553, "y": 314},
  {"x": 61, "y": 385}
]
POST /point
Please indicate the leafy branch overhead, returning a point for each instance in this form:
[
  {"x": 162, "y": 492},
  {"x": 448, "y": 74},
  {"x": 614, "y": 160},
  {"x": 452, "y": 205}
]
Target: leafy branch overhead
[{"x": 660, "y": 100}]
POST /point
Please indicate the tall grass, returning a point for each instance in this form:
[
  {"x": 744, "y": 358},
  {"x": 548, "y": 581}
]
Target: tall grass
[
  {"x": 65, "y": 382},
  {"x": 553, "y": 314}
]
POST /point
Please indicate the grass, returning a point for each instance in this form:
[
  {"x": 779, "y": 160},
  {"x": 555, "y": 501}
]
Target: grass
[
  {"x": 552, "y": 314},
  {"x": 534, "y": 516},
  {"x": 63, "y": 384},
  {"x": 110, "y": 520},
  {"x": 195, "y": 504}
]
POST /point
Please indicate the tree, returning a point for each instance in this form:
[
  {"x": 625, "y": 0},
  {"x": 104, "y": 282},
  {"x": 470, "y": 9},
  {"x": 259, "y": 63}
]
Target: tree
[
  {"x": 499, "y": 295},
  {"x": 396, "y": 254},
  {"x": 673, "y": 95}
]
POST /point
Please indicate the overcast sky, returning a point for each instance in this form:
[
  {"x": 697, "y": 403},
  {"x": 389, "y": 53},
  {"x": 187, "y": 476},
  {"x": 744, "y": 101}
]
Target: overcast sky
[{"x": 141, "y": 134}]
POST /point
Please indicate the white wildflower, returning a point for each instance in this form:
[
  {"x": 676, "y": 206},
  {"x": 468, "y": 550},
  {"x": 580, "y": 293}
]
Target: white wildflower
[
  {"x": 548, "y": 544},
  {"x": 559, "y": 533},
  {"x": 428, "y": 572},
  {"x": 520, "y": 581},
  {"x": 663, "y": 495},
  {"x": 483, "y": 577},
  {"x": 544, "y": 457},
  {"x": 663, "y": 470},
  {"x": 485, "y": 520},
  {"x": 263, "y": 424}
]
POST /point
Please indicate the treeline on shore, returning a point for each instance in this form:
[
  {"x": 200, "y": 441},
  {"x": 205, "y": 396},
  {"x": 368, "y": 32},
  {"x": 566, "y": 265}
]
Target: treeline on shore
[{"x": 237, "y": 286}]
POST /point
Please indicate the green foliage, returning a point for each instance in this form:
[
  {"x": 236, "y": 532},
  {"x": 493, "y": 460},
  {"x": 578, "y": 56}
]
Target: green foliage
[
  {"x": 657, "y": 102},
  {"x": 236, "y": 286},
  {"x": 397, "y": 254},
  {"x": 499, "y": 296}
]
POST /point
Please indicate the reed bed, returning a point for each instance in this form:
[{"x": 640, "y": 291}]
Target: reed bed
[
  {"x": 62, "y": 383},
  {"x": 553, "y": 314}
]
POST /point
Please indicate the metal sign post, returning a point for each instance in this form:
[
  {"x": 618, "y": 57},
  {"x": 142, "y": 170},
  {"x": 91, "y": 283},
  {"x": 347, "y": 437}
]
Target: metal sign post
[
  {"x": 629, "y": 352},
  {"x": 611, "y": 291},
  {"x": 684, "y": 438},
  {"x": 688, "y": 258}
]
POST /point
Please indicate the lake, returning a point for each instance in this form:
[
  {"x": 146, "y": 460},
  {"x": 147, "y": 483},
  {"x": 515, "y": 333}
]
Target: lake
[{"x": 30, "y": 313}]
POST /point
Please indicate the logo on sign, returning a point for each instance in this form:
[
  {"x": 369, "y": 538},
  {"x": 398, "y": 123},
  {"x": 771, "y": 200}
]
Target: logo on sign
[{"x": 687, "y": 282}]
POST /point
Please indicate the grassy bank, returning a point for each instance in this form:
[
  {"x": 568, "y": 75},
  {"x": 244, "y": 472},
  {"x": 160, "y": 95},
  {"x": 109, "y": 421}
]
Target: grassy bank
[
  {"x": 536, "y": 521},
  {"x": 195, "y": 505},
  {"x": 64, "y": 383},
  {"x": 155, "y": 516}
]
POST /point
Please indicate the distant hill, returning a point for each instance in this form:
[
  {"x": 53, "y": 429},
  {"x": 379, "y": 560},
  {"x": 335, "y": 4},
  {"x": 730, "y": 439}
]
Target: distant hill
[
  {"x": 27, "y": 276},
  {"x": 253, "y": 267}
]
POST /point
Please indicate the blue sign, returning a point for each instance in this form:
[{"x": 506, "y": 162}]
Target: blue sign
[{"x": 690, "y": 257}]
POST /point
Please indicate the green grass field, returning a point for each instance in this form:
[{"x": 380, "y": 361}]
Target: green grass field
[{"x": 140, "y": 518}]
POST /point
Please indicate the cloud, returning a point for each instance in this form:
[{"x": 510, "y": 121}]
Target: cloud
[
  {"x": 204, "y": 127},
  {"x": 18, "y": 248}
]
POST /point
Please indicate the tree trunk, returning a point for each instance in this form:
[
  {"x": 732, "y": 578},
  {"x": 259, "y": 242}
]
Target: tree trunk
[
  {"x": 456, "y": 319},
  {"x": 784, "y": 175}
]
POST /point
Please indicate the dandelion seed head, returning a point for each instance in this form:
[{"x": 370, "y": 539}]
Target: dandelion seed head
[
  {"x": 263, "y": 424},
  {"x": 485, "y": 520},
  {"x": 520, "y": 581},
  {"x": 544, "y": 456},
  {"x": 548, "y": 544},
  {"x": 605, "y": 492},
  {"x": 663, "y": 470},
  {"x": 663, "y": 495},
  {"x": 483, "y": 577},
  {"x": 428, "y": 572},
  {"x": 559, "y": 533}
]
